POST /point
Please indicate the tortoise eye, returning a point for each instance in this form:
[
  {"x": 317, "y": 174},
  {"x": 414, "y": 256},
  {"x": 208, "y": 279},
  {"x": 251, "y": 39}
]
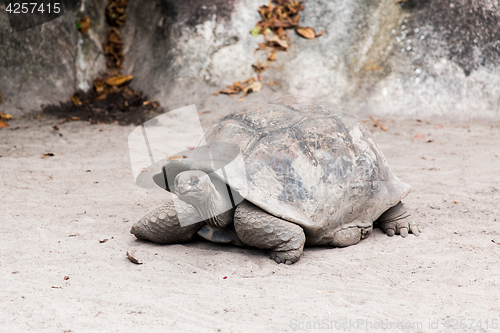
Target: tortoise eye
[{"x": 194, "y": 181}]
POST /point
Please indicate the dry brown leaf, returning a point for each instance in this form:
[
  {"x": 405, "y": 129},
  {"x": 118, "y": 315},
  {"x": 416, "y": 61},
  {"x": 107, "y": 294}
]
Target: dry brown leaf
[
  {"x": 3, "y": 124},
  {"x": 47, "y": 155},
  {"x": 229, "y": 91},
  {"x": 132, "y": 258},
  {"x": 5, "y": 116},
  {"x": 306, "y": 32},
  {"x": 176, "y": 157},
  {"x": 373, "y": 68},
  {"x": 258, "y": 67},
  {"x": 283, "y": 43},
  {"x": 418, "y": 136},
  {"x": 237, "y": 85},
  {"x": 103, "y": 240},
  {"x": 66, "y": 277},
  {"x": 76, "y": 101},
  {"x": 84, "y": 24},
  {"x": 252, "y": 87},
  {"x": 272, "y": 57},
  {"x": 378, "y": 123},
  {"x": 119, "y": 80},
  {"x": 99, "y": 85}
]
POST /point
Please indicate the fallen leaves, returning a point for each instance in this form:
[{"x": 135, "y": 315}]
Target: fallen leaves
[
  {"x": 276, "y": 19},
  {"x": 3, "y": 124},
  {"x": 83, "y": 25},
  {"x": 113, "y": 49},
  {"x": 132, "y": 258},
  {"x": 111, "y": 99},
  {"x": 247, "y": 86},
  {"x": 277, "y": 16},
  {"x": 47, "y": 155},
  {"x": 378, "y": 124},
  {"x": 115, "y": 12}
]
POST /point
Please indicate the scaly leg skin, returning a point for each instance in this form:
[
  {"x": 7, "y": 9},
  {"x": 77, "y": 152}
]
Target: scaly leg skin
[
  {"x": 161, "y": 224},
  {"x": 350, "y": 236},
  {"x": 396, "y": 220},
  {"x": 258, "y": 228}
]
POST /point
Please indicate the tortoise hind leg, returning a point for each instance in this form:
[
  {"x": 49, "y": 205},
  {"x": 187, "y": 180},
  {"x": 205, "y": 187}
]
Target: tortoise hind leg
[
  {"x": 257, "y": 228},
  {"x": 396, "y": 220}
]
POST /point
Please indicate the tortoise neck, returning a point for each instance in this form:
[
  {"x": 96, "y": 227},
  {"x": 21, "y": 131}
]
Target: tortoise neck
[{"x": 216, "y": 210}]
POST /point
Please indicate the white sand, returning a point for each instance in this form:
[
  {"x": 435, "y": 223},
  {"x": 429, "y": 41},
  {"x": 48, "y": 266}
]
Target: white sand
[{"x": 53, "y": 214}]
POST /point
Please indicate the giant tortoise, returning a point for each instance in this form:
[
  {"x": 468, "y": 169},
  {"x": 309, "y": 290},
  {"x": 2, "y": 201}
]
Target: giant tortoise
[{"x": 309, "y": 173}]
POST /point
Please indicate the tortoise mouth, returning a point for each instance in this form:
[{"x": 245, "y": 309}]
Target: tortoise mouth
[{"x": 182, "y": 191}]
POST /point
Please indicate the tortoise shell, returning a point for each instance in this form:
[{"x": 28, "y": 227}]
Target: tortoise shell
[{"x": 311, "y": 164}]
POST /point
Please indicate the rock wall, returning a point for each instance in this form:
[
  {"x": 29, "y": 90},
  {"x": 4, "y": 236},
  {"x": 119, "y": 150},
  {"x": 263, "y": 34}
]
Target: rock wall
[{"x": 420, "y": 58}]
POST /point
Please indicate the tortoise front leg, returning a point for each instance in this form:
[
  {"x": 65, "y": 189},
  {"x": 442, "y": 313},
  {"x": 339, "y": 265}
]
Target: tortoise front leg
[
  {"x": 257, "y": 228},
  {"x": 161, "y": 224}
]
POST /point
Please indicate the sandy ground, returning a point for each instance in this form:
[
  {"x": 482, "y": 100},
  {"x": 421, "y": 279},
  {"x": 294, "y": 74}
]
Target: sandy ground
[{"x": 55, "y": 210}]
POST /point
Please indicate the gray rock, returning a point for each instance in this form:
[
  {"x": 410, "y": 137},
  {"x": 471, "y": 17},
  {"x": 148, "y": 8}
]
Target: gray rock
[{"x": 420, "y": 58}]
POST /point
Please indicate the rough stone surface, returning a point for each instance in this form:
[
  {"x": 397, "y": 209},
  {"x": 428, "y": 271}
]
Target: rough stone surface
[
  {"x": 36, "y": 65},
  {"x": 420, "y": 58},
  {"x": 46, "y": 64}
]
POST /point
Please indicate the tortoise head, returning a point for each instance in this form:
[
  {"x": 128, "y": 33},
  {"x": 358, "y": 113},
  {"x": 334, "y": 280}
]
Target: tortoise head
[{"x": 193, "y": 187}]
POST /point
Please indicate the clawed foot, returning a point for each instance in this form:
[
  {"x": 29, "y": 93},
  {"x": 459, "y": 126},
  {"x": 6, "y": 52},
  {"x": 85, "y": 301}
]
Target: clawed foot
[
  {"x": 400, "y": 227},
  {"x": 396, "y": 221},
  {"x": 286, "y": 257}
]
